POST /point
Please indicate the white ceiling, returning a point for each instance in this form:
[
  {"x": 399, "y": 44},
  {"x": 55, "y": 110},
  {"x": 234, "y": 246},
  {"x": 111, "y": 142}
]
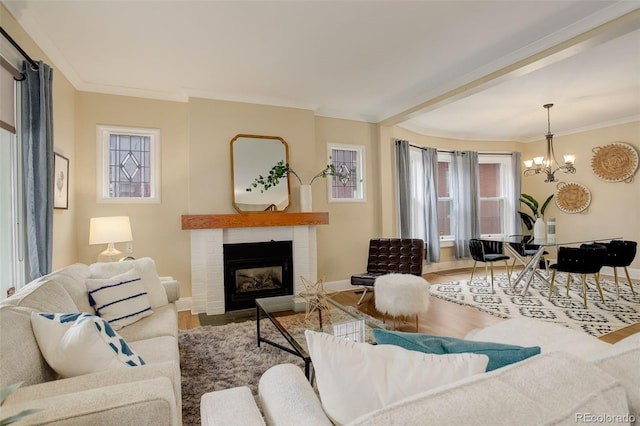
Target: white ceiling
[{"x": 376, "y": 61}]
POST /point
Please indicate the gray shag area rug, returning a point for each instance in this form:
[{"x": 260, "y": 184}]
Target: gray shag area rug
[
  {"x": 221, "y": 357},
  {"x": 225, "y": 356}
]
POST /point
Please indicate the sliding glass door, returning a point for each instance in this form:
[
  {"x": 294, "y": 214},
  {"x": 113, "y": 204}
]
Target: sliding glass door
[{"x": 12, "y": 259}]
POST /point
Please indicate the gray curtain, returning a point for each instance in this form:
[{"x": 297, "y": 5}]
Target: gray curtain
[
  {"x": 432, "y": 236},
  {"x": 403, "y": 168},
  {"x": 516, "y": 167},
  {"x": 466, "y": 210},
  {"x": 37, "y": 148}
]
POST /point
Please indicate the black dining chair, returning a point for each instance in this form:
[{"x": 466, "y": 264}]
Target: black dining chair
[
  {"x": 579, "y": 260},
  {"x": 525, "y": 249},
  {"x": 620, "y": 254},
  {"x": 488, "y": 252}
]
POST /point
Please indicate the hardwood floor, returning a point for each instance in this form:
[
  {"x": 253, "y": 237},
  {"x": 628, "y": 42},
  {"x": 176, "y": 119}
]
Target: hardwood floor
[{"x": 443, "y": 318}]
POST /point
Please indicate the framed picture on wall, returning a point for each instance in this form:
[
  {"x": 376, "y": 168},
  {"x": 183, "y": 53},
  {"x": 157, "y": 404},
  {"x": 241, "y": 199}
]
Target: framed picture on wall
[{"x": 60, "y": 182}]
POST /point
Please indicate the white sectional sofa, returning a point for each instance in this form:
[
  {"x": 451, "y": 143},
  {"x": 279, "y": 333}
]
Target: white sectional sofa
[
  {"x": 97, "y": 387},
  {"x": 575, "y": 379}
]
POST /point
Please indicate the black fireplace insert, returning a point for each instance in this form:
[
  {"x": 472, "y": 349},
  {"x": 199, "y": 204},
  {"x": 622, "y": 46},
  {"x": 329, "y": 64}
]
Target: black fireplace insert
[{"x": 255, "y": 270}]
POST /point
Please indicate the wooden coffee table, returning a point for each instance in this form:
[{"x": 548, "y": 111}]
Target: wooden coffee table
[{"x": 288, "y": 316}]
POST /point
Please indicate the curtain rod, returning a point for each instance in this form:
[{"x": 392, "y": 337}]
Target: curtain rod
[
  {"x": 451, "y": 152},
  {"x": 34, "y": 64}
]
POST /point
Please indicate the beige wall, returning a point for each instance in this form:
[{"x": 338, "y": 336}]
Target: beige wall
[
  {"x": 343, "y": 245},
  {"x": 615, "y": 207},
  {"x": 64, "y": 230},
  {"x": 212, "y": 125},
  {"x": 155, "y": 227}
]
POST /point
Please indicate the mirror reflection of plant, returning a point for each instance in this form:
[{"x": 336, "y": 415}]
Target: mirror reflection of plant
[{"x": 281, "y": 169}]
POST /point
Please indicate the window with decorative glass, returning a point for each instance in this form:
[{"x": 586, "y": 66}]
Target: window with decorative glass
[
  {"x": 348, "y": 182},
  {"x": 128, "y": 164}
]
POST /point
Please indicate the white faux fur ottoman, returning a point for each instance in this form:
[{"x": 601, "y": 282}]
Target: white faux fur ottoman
[{"x": 401, "y": 295}]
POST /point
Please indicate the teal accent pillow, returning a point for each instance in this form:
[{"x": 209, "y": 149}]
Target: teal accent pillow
[{"x": 499, "y": 354}]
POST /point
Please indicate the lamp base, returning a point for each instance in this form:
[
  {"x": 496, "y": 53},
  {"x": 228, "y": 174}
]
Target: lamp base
[{"x": 111, "y": 254}]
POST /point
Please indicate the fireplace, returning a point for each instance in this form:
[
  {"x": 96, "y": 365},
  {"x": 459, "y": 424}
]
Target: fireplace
[{"x": 255, "y": 270}]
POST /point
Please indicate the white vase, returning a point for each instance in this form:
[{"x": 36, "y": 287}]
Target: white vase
[
  {"x": 539, "y": 230},
  {"x": 305, "y": 198}
]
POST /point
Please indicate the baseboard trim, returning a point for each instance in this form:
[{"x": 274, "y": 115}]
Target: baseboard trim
[{"x": 183, "y": 304}]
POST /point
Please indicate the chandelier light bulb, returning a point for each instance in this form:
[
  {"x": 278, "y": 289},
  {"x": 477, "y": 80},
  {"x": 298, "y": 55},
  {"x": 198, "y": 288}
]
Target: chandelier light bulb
[
  {"x": 528, "y": 163},
  {"x": 569, "y": 158},
  {"x": 538, "y": 160}
]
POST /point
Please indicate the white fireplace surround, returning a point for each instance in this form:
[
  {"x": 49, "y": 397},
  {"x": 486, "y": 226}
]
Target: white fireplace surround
[{"x": 207, "y": 265}]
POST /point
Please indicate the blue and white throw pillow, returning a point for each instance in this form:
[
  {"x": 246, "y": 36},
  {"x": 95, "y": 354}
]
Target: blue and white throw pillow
[
  {"x": 121, "y": 300},
  {"x": 74, "y": 344}
]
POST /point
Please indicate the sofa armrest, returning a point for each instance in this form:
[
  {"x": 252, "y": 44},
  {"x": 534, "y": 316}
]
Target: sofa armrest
[
  {"x": 147, "y": 402},
  {"x": 100, "y": 381},
  {"x": 234, "y": 406},
  {"x": 172, "y": 287},
  {"x": 287, "y": 397}
]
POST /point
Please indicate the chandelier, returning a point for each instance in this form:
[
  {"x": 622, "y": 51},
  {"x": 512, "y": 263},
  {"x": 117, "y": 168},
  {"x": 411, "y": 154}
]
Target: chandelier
[{"x": 548, "y": 164}]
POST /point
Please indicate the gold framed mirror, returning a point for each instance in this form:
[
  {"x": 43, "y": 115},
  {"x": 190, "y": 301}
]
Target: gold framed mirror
[{"x": 252, "y": 156}]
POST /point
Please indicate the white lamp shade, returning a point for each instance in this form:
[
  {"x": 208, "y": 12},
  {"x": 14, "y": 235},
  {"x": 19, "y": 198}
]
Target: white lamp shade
[{"x": 113, "y": 229}]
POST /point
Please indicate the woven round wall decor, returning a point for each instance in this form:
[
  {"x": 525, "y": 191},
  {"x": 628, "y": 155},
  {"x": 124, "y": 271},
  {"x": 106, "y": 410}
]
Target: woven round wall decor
[
  {"x": 572, "y": 197},
  {"x": 615, "y": 162}
]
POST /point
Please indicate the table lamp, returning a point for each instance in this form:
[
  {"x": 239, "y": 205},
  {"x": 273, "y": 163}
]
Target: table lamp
[{"x": 109, "y": 230}]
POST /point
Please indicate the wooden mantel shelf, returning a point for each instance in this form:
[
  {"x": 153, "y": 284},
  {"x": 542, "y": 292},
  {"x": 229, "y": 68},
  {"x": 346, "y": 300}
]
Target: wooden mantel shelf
[{"x": 253, "y": 220}]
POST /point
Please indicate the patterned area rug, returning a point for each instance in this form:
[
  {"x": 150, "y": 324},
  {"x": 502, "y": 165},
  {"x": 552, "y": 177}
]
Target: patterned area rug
[{"x": 597, "y": 319}]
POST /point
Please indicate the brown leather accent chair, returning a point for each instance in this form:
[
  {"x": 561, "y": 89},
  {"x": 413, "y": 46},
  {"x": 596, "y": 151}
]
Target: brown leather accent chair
[{"x": 388, "y": 256}]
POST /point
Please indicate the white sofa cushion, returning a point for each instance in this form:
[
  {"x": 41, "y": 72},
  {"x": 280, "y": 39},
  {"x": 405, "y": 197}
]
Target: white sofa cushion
[
  {"x": 43, "y": 296},
  {"x": 20, "y": 357},
  {"x": 148, "y": 274},
  {"x": 72, "y": 278},
  {"x": 622, "y": 361},
  {"x": 549, "y": 336},
  {"x": 286, "y": 396},
  {"x": 357, "y": 378},
  {"x": 121, "y": 300},
  {"x": 548, "y": 389},
  {"x": 78, "y": 343}
]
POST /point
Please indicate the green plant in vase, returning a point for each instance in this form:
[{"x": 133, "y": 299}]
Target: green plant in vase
[
  {"x": 282, "y": 169},
  {"x": 529, "y": 220},
  {"x": 537, "y": 212}
]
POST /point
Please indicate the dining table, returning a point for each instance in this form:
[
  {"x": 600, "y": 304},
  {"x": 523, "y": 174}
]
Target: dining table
[{"x": 530, "y": 269}]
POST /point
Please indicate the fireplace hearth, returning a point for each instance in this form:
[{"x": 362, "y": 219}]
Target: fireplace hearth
[{"x": 255, "y": 270}]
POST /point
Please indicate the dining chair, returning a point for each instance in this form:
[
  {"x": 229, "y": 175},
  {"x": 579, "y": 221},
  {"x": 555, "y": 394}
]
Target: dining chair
[
  {"x": 525, "y": 249},
  {"x": 488, "y": 252},
  {"x": 620, "y": 254},
  {"x": 579, "y": 260}
]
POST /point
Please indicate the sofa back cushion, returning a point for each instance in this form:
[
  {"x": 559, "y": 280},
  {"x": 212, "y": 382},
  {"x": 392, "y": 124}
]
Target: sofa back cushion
[
  {"x": 44, "y": 295},
  {"x": 622, "y": 361},
  {"x": 73, "y": 278},
  {"x": 148, "y": 273},
  {"x": 549, "y": 389},
  {"x": 20, "y": 357}
]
